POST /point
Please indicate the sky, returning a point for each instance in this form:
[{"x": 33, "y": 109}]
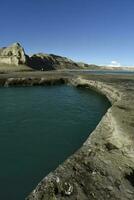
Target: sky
[{"x": 92, "y": 31}]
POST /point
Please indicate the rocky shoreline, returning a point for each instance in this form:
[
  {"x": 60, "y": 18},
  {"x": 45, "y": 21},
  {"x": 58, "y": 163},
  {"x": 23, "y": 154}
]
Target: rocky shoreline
[{"x": 103, "y": 168}]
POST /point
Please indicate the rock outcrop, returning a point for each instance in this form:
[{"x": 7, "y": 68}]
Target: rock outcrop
[
  {"x": 51, "y": 62},
  {"x": 13, "y": 55}
]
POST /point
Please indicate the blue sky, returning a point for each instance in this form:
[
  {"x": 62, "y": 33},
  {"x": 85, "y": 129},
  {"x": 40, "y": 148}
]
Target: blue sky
[{"x": 93, "y": 31}]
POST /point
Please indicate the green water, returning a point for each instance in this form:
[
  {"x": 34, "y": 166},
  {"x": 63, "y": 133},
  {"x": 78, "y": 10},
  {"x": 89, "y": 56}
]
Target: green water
[{"x": 39, "y": 128}]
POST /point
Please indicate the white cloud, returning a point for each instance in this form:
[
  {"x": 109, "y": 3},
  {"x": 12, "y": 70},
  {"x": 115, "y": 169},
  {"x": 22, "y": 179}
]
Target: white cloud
[{"x": 114, "y": 63}]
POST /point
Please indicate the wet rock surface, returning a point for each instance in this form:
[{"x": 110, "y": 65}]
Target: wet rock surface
[{"x": 103, "y": 168}]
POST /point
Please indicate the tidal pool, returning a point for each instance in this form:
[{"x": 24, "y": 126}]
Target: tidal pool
[{"x": 39, "y": 128}]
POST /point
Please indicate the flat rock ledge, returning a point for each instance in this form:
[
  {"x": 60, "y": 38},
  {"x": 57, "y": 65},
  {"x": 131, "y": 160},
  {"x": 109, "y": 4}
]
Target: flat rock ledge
[{"x": 103, "y": 168}]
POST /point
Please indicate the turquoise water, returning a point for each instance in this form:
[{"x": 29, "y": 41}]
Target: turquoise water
[
  {"x": 39, "y": 128},
  {"x": 116, "y": 72},
  {"x": 101, "y": 72}
]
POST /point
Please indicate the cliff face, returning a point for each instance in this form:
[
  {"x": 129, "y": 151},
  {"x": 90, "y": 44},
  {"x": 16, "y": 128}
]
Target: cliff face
[
  {"x": 54, "y": 62},
  {"x": 51, "y": 62},
  {"x": 13, "y": 55}
]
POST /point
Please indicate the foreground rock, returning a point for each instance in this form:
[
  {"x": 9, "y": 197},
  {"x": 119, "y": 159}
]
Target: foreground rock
[{"x": 103, "y": 168}]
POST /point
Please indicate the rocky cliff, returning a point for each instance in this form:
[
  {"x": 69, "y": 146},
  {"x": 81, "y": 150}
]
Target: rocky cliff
[
  {"x": 51, "y": 62},
  {"x": 13, "y": 55}
]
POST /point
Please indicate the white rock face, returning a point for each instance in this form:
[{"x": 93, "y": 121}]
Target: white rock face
[{"x": 13, "y": 54}]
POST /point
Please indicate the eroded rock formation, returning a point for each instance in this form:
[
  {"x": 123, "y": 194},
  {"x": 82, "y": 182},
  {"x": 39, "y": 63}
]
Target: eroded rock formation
[
  {"x": 51, "y": 62},
  {"x": 13, "y": 55}
]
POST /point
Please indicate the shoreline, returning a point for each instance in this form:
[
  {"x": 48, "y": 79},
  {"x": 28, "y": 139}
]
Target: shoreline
[{"x": 103, "y": 168}]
